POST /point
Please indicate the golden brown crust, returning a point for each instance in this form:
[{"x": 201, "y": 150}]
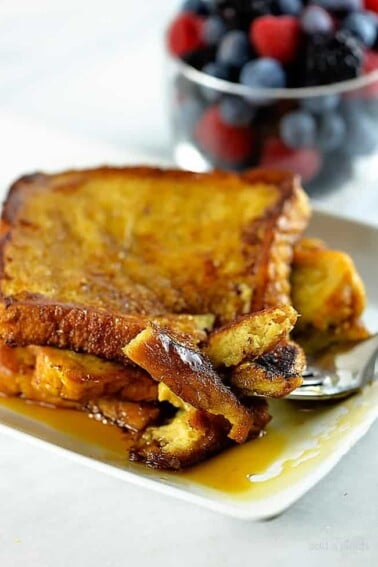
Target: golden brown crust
[
  {"x": 190, "y": 375},
  {"x": 86, "y": 284},
  {"x": 274, "y": 375},
  {"x": 284, "y": 232}
]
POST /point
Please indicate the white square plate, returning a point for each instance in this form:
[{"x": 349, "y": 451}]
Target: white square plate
[{"x": 254, "y": 481}]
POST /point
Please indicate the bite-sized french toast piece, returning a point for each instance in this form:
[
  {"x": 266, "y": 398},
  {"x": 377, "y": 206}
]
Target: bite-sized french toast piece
[
  {"x": 88, "y": 257},
  {"x": 250, "y": 336},
  {"x": 327, "y": 290},
  {"x": 83, "y": 377},
  {"x": 191, "y": 436},
  {"x": 190, "y": 375},
  {"x": 273, "y": 375},
  {"x": 128, "y": 415}
]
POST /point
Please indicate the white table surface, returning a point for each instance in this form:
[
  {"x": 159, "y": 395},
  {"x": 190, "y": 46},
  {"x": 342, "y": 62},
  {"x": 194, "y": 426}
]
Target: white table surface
[{"x": 81, "y": 83}]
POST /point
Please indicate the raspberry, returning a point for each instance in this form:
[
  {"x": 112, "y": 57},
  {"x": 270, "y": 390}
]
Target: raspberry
[
  {"x": 371, "y": 5},
  {"x": 228, "y": 144},
  {"x": 370, "y": 62},
  {"x": 276, "y": 36},
  {"x": 185, "y": 34},
  {"x": 306, "y": 161}
]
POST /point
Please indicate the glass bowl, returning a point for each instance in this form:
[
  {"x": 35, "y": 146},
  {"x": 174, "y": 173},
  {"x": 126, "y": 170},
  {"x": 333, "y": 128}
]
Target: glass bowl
[{"x": 327, "y": 134}]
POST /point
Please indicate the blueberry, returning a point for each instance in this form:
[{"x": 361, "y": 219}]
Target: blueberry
[
  {"x": 235, "y": 111},
  {"x": 213, "y": 30},
  {"x": 363, "y": 26},
  {"x": 320, "y": 104},
  {"x": 331, "y": 131},
  {"x": 315, "y": 19},
  {"x": 290, "y": 7},
  {"x": 234, "y": 49},
  {"x": 298, "y": 129},
  {"x": 195, "y": 6},
  {"x": 263, "y": 73},
  {"x": 215, "y": 70}
]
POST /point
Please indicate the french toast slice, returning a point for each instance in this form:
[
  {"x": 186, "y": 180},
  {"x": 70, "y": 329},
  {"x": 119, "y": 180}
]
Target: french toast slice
[
  {"x": 66, "y": 375},
  {"x": 329, "y": 295},
  {"x": 17, "y": 366},
  {"x": 116, "y": 394},
  {"x": 88, "y": 258},
  {"x": 83, "y": 377}
]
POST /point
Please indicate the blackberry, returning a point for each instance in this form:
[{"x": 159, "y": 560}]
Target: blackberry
[
  {"x": 331, "y": 59},
  {"x": 240, "y": 13},
  {"x": 200, "y": 57}
]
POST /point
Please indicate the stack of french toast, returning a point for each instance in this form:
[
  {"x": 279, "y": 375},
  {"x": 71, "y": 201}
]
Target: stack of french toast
[{"x": 169, "y": 303}]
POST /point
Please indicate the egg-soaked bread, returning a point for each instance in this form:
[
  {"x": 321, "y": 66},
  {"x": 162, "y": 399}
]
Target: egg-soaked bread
[
  {"x": 191, "y": 435},
  {"x": 88, "y": 257},
  {"x": 92, "y": 261},
  {"x": 109, "y": 391},
  {"x": 274, "y": 374},
  {"x": 329, "y": 295},
  {"x": 250, "y": 335}
]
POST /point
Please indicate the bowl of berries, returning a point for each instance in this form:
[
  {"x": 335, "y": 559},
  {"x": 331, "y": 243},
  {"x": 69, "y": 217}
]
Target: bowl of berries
[{"x": 289, "y": 84}]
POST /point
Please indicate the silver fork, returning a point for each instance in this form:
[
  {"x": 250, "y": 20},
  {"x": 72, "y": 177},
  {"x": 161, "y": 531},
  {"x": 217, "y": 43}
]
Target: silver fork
[{"x": 339, "y": 371}]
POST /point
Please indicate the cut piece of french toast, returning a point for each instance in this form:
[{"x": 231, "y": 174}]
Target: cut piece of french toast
[
  {"x": 191, "y": 435},
  {"x": 89, "y": 257},
  {"x": 250, "y": 335},
  {"x": 274, "y": 374},
  {"x": 190, "y": 375},
  {"x": 329, "y": 295}
]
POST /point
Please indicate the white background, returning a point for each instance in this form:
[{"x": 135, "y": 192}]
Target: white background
[{"x": 82, "y": 82}]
